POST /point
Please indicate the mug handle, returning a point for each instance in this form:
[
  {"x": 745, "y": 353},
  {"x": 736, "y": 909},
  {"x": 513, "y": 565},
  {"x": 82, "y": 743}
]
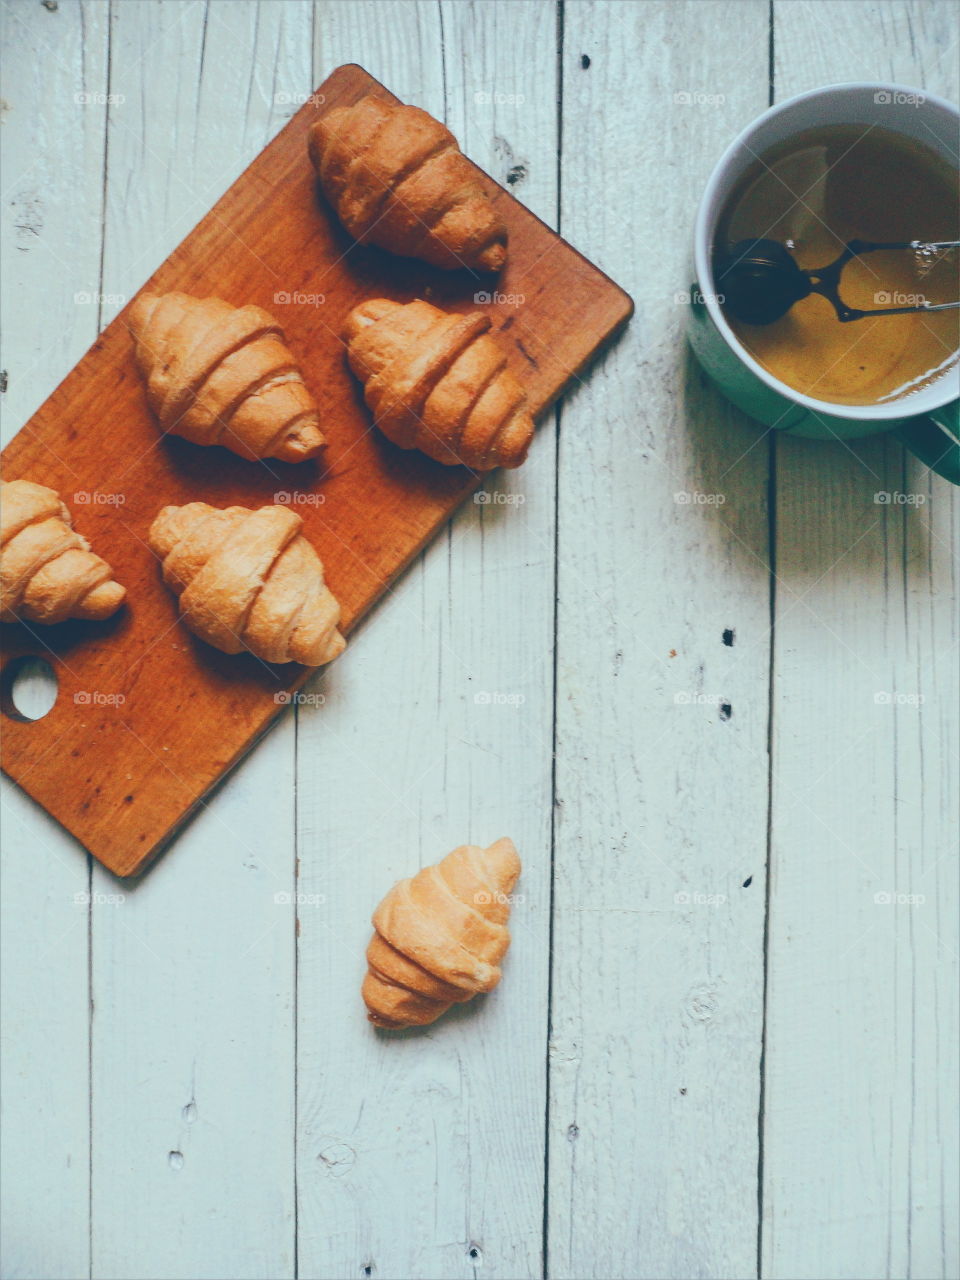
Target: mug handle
[{"x": 935, "y": 439}]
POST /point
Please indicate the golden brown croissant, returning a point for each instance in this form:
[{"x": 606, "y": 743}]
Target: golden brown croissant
[
  {"x": 439, "y": 383},
  {"x": 248, "y": 580},
  {"x": 218, "y": 374},
  {"x": 440, "y": 936},
  {"x": 397, "y": 178},
  {"x": 47, "y": 571}
]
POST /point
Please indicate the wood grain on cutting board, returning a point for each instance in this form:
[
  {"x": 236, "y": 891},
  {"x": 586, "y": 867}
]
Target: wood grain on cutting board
[{"x": 148, "y": 718}]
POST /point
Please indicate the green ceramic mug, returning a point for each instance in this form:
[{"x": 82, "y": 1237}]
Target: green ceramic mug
[{"x": 932, "y": 431}]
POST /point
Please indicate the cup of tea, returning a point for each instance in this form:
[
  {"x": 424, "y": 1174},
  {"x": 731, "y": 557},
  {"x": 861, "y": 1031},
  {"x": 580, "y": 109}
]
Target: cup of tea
[{"x": 849, "y": 164}]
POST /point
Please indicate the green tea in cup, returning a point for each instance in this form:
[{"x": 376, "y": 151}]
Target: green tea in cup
[{"x": 816, "y": 192}]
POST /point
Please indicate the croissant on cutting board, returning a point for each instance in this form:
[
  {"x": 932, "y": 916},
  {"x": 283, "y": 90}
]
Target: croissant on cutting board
[
  {"x": 248, "y": 580},
  {"x": 397, "y": 178},
  {"x": 440, "y": 936},
  {"x": 218, "y": 374},
  {"x": 47, "y": 571},
  {"x": 439, "y": 383}
]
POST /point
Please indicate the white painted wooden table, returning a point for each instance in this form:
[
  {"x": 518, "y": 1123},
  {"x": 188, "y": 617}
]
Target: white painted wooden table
[{"x": 719, "y": 1050}]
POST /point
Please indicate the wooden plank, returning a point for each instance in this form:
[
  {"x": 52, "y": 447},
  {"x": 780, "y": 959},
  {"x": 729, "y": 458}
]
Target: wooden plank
[
  {"x": 380, "y": 504},
  {"x": 860, "y": 1131},
  {"x": 52, "y": 166},
  {"x": 193, "y": 973},
  {"x": 661, "y": 785},
  {"x": 416, "y": 1149}
]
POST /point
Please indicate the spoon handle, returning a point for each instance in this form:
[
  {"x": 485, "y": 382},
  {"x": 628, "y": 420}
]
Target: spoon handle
[
  {"x": 871, "y": 246},
  {"x": 850, "y": 313}
]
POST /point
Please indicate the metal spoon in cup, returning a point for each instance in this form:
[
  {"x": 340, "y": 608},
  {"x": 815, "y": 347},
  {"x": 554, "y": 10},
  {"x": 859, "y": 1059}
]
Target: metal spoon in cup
[{"x": 761, "y": 280}]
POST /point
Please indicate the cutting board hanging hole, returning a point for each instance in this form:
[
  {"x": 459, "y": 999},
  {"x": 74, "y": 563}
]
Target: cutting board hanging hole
[{"x": 28, "y": 688}]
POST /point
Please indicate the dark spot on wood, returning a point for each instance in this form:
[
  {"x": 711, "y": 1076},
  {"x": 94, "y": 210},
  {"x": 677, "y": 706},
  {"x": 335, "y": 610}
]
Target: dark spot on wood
[
  {"x": 516, "y": 173},
  {"x": 128, "y": 799},
  {"x": 584, "y": 60},
  {"x": 367, "y": 1269},
  {"x": 684, "y": 1092},
  {"x": 51, "y": 6},
  {"x": 474, "y": 1254},
  {"x": 748, "y": 882},
  {"x": 573, "y": 1132},
  {"x": 728, "y": 637},
  {"x": 524, "y": 352},
  {"x": 672, "y": 653},
  {"x": 726, "y": 710},
  {"x": 4, "y": 380}
]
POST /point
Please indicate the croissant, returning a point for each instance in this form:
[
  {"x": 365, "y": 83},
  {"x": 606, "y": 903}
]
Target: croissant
[
  {"x": 218, "y": 374},
  {"x": 440, "y": 936},
  {"x": 248, "y": 580},
  {"x": 47, "y": 571},
  {"x": 439, "y": 383},
  {"x": 397, "y": 178}
]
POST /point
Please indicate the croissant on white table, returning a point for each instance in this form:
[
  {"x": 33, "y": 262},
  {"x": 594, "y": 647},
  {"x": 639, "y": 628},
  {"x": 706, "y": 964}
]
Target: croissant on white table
[
  {"x": 47, "y": 571},
  {"x": 218, "y": 374},
  {"x": 248, "y": 580},
  {"x": 397, "y": 178},
  {"x": 439, "y": 383},
  {"x": 440, "y": 936}
]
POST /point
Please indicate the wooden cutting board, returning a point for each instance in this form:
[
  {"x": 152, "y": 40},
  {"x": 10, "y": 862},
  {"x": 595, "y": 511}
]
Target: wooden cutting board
[{"x": 147, "y": 718}]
